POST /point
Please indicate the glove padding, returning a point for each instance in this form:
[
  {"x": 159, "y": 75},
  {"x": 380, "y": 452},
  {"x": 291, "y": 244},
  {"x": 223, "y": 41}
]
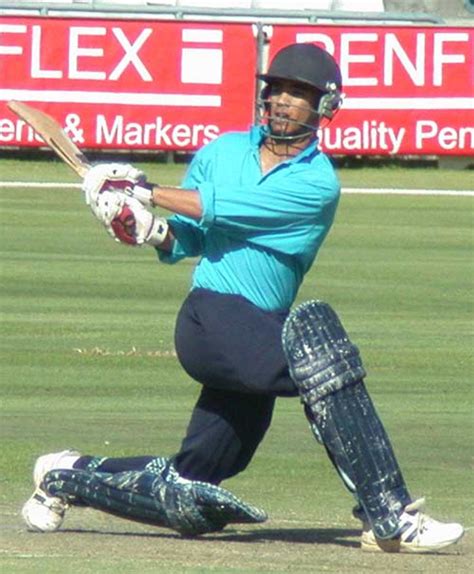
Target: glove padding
[
  {"x": 163, "y": 499},
  {"x": 107, "y": 206},
  {"x": 135, "y": 225},
  {"x": 127, "y": 221},
  {"x": 121, "y": 177}
]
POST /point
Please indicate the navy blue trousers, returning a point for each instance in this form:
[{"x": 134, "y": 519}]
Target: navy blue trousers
[{"x": 234, "y": 350}]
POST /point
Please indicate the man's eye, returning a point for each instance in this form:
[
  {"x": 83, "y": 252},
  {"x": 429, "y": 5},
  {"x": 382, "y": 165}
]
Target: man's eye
[{"x": 294, "y": 92}]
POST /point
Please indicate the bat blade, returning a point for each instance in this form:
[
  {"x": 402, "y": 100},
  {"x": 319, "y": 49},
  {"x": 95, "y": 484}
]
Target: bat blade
[{"x": 53, "y": 135}]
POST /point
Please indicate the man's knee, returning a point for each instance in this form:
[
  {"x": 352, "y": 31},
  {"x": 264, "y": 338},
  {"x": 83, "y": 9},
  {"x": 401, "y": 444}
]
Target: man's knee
[
  {"x": 223, "y": 434},
  {"x": 320, "y": 356}
]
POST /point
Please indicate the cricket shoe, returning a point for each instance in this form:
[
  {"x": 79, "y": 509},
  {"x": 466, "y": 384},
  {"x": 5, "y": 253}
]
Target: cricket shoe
[
  {"x": 418, "y": 534},
  {"x": 42, "y": 512}
]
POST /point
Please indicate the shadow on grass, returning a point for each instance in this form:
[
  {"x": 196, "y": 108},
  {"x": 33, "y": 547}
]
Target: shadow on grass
[{"x": 337, "y": 536}]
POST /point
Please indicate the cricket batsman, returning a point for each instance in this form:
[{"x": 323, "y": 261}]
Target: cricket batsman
[{"x": 255, "y": 207}]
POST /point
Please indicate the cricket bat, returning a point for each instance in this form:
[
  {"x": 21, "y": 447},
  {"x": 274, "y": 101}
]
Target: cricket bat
[{"x": 53, "y": 135}]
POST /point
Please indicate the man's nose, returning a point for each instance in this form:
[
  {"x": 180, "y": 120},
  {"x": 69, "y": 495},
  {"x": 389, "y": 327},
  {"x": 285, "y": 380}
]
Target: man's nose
[{"x": 283, "y": 99}]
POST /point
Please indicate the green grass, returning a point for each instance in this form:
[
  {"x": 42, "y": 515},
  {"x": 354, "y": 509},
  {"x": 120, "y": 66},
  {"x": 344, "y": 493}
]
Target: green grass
[
  {"x": 87, "y": 336},
  {"x": 396, "y": 176}
]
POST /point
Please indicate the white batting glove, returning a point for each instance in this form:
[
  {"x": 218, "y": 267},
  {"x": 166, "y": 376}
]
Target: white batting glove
[
  {"x": 127, "y": 221},
  {"x": 120, "y": 177},
  {"x": 135, "y": 225},
  {"x": 107, "y": 206}
]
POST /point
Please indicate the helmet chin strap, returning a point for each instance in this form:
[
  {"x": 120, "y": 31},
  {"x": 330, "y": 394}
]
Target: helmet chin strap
[
  {"x": 304, "y": 130},
  {"x": 301, "y": 134}
]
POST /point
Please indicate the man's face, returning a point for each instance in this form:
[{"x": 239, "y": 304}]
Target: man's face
[{"x": 291, "y": 108}]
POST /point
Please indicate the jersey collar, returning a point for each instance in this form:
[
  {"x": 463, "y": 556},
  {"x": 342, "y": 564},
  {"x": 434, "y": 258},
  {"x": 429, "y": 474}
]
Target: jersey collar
[{"x": 258, "y": 133}]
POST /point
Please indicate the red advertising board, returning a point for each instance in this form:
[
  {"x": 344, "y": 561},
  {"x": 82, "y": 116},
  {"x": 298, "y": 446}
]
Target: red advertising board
[
  {"x": 409, "y": 90},
  {"x": 175, "y": 85},
  {"x": 128, "y": 84}
]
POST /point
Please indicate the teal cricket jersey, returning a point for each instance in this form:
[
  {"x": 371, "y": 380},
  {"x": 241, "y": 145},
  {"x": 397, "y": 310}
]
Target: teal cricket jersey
[{"x": 259, "y": 234}]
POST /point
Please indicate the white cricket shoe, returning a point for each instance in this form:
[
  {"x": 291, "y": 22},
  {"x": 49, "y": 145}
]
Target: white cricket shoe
[
  {"x": 419, "y": 534},
  {"x": 42, "y": 512}
]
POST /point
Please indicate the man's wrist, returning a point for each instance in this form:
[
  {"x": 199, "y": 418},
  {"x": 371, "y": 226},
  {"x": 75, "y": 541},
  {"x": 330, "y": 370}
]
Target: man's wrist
[
  {"x": 158, "y": 232},
  {"x": 144, "y": 193}
]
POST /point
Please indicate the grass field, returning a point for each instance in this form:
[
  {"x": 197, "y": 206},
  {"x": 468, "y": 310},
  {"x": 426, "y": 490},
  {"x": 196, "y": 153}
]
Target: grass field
[{"x": 87, "y": 361}]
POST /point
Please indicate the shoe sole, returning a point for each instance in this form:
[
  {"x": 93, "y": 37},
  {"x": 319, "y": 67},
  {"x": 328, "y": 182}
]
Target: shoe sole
[{"x": 398, "y": 547}]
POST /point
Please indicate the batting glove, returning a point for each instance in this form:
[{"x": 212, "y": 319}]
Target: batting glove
[
  {"x": 135, "y": 225},
  {"x": 127, "y": 221},
  {"x": 120, "y": 177}
]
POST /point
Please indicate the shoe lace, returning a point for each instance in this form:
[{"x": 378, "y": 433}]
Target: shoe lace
[{"x": 421, "y": 519}]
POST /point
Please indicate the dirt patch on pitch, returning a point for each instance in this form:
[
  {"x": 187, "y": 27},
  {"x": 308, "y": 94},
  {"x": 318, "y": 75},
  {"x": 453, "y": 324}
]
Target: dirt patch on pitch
[{"x": 92, "y": 542}]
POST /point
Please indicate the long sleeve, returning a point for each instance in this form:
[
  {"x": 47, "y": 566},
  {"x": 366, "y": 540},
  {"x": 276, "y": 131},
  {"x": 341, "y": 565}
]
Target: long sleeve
[{"x": 282, "y": 214}]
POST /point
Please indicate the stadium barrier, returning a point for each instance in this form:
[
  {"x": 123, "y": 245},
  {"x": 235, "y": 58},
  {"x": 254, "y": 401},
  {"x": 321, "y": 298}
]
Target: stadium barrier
[{"x": 155, "y": 83}]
